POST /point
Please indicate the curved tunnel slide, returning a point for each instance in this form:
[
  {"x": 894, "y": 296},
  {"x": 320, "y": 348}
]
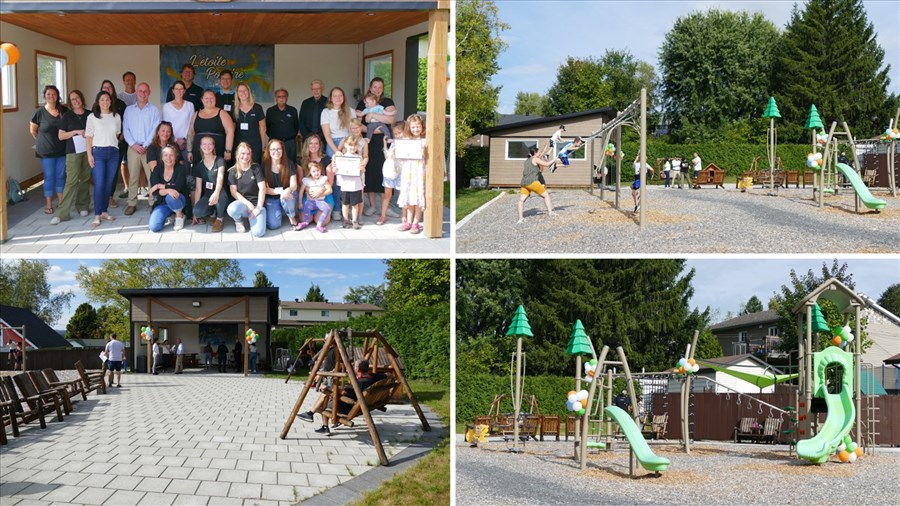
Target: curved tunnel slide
[
  {"x": 864, "y": 194},
  {"x": 841, "y": 411},
  {"x": 648, "y": 459}
]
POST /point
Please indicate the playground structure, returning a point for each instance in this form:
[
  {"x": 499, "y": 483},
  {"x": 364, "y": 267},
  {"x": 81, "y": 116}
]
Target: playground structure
[
  {"x": 635, "y": 116},
  {"x": 375, "y": 349}
]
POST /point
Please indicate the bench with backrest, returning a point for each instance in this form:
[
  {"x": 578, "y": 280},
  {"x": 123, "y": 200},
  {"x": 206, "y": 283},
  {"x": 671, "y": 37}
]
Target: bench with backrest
[
  {"x": 376, "y": 397},
  {"x": 530, "y": 426},
  {"x": 37, "y": 406},
  {"x": 11, "y": 412},
  {"x": 91, "y": 380},
  {"x": 771, "y": 431},
  {"x": 40, "y": 382},
  {"x": 29, "y": 391},
  {"x": 75, "y": 386},
  {"x": 550, "y": 426},
  {"x": 744, "y": 430},
  {"x": 659, "y": 427},
  {"x": 484, "y": 420}
]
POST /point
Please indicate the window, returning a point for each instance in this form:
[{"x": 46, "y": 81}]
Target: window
[
  {"x": 743, "y": 336},
  {"x": 10, "y": 90},
  {"x": 368, "y": 313},
  {"x": 773, "y": 332},
  {"x": 349, "y": 314},
  {"x": 326, "y": 313},
  {"x": 51, "y": 69},
  {"x": 579, "y": 154},
  {"x": 380, "y": 65},
  {"x": 293, "y": 312},
  {"x": 518, "y": 150}
]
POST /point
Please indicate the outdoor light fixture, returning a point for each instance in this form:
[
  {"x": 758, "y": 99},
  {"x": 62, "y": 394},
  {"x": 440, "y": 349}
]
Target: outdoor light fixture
[{"x": 196, "y": 303}]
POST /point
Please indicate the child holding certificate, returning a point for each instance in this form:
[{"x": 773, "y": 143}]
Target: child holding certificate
[
  {"x": 412, "y": 174},
  {"x": 350, "y": 173}
]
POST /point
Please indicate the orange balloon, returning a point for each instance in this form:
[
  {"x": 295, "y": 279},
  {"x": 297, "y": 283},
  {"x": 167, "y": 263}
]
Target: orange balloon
[
  {"x": 675, "y": 370},
  {"x": 836, "y": 340},
  {"x": 681, "y": 370},
  {"x": 571, "y": 393},
  {"x": 858, "y": 451},
  {"x": 844, "y": 456},
  {"x": 12, "y": 51},
  {"x": 591, "y": 373},
  {"x": 692, "y": 361}
]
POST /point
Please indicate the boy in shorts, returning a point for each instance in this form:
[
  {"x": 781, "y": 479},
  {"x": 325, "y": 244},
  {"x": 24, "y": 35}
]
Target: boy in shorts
[{"x": 531, "y": 182}]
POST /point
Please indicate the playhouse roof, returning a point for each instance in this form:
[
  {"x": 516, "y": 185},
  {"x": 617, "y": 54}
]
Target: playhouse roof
[
  {"x": 840, "y": 294},
  {"x": 607, "y": 111}
]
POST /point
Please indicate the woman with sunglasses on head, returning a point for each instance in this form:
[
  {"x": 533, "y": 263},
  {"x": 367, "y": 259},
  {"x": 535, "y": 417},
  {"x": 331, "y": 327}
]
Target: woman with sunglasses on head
[
  {"x": 45, "y": 124},
  {"x": 104, "y": 126},
  {"x": 78, "y": 172}
]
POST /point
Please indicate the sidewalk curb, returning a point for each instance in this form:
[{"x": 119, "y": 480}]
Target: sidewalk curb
[{"x": 475, "y": 212}]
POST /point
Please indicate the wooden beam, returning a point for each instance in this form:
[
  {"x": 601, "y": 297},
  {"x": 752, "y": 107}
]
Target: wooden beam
[
  {"x": 246, "y": 328},
  {"x": 4, "y": 218},
  {"x": 196, "y": 319},
  {"x": 435, "y": 121},
  {"x": 306, "y": 386}
]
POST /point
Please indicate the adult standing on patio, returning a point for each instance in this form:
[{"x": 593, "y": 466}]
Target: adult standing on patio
[
  {"x": 222, "y": 356},
  {"x": 166, "y": 352},
  {"x": 311, "y": 111},
  {"x": 193, "y": 92},
  {"x": 225, "y": 95},
  {"x": 250, "y": 120},
  {"x": 374, "y": 178},
  {"x": 156, "y": 352},
  {"x": 115, "y": 351},
  {"x": 45, "y": 124},
  {"x": 179, "y": 113},
  {"x": 179, "y": 356},
  {"x": 283, "y": 123},
  {"x": 247, "y": 184},
  {"x": 78, "y": 172},
  {"x": 102, "y": 141},
  {"x": 140, "y": 123},
  {"x": 215, "y": 122},
  {"x": 335, "y": 124}
]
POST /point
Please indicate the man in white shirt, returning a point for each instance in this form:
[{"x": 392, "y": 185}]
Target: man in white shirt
[
  {"x": 129, "y": 95},
  {"x": 138, "y": 127},
  {"x": 115, "y": 352},
  {"x": 179, "y": 356}
]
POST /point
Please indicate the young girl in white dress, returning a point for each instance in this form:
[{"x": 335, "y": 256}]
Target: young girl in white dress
[{"x": 412, "y": 179}]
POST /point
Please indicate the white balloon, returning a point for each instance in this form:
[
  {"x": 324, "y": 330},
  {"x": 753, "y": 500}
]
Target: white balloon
[
  {"x": 846, "y": 329},
  {"x": 573, "y": 397},
  {"x": 696, "y": 367},
  {"x": 852, "y": 457},
  {"x": 582, "y": 395},
  {"x": 841, "y": 447},
  {"x": 849, "y": 336}
]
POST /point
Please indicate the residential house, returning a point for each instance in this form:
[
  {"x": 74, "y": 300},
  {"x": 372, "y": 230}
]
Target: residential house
[
  {"x": 36, "y": 334},
  {"x": 305, "y": 314},
  {"x": 755, "y": 333}
]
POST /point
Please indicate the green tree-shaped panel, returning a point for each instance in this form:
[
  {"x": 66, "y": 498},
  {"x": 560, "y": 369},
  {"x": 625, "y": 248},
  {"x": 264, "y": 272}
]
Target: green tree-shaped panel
[
  {"x": 771, "y": 109},
  {"x": 519, "y": 325},
  {"x": 818, "y": 320},
  {"x": 579, "y": 342},
  {"x": 812, "y": 119}
]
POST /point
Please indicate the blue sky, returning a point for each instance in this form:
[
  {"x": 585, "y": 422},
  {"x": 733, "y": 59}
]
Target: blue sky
[
  {"x": 292, "y": 277},
  {"x": 543, "y": 34},
  {"x": 725, "y": 284}
]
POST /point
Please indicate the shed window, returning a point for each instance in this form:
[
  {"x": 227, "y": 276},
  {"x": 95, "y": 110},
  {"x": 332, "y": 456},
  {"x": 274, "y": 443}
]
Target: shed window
[
  {"x": 743, "y": 336},
  {"x": 326, "y": 313},
  {"x": 293, "y": 312},
  {"x": 518, "y": 149},
  {"x": 773, "y": 332}
]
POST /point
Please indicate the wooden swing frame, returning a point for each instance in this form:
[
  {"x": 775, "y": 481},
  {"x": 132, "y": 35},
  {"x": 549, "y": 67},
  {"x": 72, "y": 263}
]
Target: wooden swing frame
[{"x": 374, "y": 345}]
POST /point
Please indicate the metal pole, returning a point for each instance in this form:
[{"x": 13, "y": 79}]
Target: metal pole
[
  {"x": 587, "y": 411},
  {"x": 518, "y": 400},
  {"x": 643, "y": 160},
  {"x": 24, "y": 357},
  {"x": 578, "y": 389},
  {"x": 618, "y": 159}
]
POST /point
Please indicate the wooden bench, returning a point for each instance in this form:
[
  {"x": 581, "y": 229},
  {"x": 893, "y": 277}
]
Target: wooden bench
[
  {"x": 530, "y": 426},
  {"x": 376, "y": 397},
  {"x": 484, "y": 420},
  {"x": 659, "y": 427},
  {"x": 75, "y": 386},
  {"x": 91, "y": 380},
  {"x": 31, "y": 391},
  {"x": 710, "y": 175},
  {"x": 744, "y": 430},
  {"x": 550, "y": 426},
  {"x": 40, "y": 382},
  {"x": 771, "y": 431},
  {"x": 37, "y": 406},
  {"x": 11, "y": 412}
]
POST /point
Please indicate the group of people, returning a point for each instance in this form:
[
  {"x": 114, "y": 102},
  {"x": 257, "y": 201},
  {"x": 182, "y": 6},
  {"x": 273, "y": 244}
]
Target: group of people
[
  {"x": 210, "y": 154},
  {"x": 681, "y": 169},
  {"x": 162, "y": 351},
  {"x": 221, "y": 354}
]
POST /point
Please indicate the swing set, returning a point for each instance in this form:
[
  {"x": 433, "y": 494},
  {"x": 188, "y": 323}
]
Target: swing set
[{"x": 377, "y": 351}]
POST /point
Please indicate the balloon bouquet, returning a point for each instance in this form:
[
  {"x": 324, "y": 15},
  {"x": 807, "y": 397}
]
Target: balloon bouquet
[
  {"x": 891, "y": 134},
  {"x": 252, "y": 336},
  {"x": 848, "y": 451},
  {"x": 814, "y": 161},
  {"x": 841, "y": 336},
  {"x": 686, "y": 366},
  {"x": 147, "y": 333}
]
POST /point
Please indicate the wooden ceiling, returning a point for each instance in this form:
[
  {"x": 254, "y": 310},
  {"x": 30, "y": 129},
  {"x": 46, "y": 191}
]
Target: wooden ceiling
[{"x": 206, "y": 28}]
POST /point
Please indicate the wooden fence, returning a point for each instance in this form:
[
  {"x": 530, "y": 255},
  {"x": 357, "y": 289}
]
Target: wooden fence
[
  {"x": 715, "y": 416},
  {"x": 59, "y": 360}
]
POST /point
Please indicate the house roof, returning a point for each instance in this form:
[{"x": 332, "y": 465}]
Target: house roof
[
  {"x": 330, "y": 305},
  {"x": 732, "y": 360},
  {"x": 893, "y": 360},
  {"x": 895, "y": 319},
  {"x": 609, "y": 111},
  {"x": 761, "y": 317},
  {"x": 37, "y": 332},
  {"x": 508, "y": 119},
  {"x": 270, "y": 293}
]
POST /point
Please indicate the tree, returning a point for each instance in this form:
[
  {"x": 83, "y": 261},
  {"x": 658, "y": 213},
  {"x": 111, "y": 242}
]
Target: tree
[
  {"x": 615, "y": 80},
  {"x": 314, "y": 294},
  {"x": 530, "y": 103},
  {"x": 416, "y": 283},
  {"x": 261, "y": 280},
  {"x": 890, "y": 299},
  {"x": 800, "y": 286},
  {"x": 829, "y": 56},
  {"x": 83, "y": 324},
  {"x": 23, "y": 283},
  {"x": 478, "y": 45},
  {"x": 112, "y": 319},
  {"x": 366, "y": 294},
  {"x": 102, "y": 285},
  {"x": 715, "y": 68},
  {"x": 753, "y": 305}
]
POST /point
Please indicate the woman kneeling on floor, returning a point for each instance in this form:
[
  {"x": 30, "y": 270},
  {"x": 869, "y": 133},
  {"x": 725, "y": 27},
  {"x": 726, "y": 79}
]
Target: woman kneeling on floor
[{"x": 168, "y": 187}]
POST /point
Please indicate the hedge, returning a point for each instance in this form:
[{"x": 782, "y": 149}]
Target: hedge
[
  {"x": 475, "y": 393},
  {"x": 474, "y": 163},
  {"x": 421, "y": 336}
]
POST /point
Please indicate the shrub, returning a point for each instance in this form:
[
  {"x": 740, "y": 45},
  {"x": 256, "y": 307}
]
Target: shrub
[{"x": 474, "y": 163}]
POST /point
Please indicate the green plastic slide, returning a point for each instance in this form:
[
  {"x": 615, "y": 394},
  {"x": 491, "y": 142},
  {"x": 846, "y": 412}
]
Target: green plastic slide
[
  {"x": 642, "y": 451},
  {"x": 841, "y": 411},
  {"x": 864, "y": 194}
]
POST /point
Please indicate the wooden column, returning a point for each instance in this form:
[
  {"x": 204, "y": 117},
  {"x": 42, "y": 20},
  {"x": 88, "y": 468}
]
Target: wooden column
[
  {"x": 244, "y": 337},
  {"x": 3, "y": 212},
  {"x": 149, "y": 341},
  {"x": 435, "y": 121}
]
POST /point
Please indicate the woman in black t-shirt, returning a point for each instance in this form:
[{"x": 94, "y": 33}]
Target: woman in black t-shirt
[
  {"x": 78, "y": 171},
  {"x": 281, "y": 185},
  {"x": 45, "y": 125},
  {"x": 247, "y": 184},
  {"x": 250, "y": 121},
  {"x": 374, "y": 176},
  {"x": 168, "y": 190},
  {"x": 210, "y": 197}
]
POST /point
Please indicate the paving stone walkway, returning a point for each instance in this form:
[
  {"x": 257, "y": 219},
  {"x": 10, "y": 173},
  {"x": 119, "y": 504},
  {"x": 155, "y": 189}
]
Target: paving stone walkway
[{"x": 197, "y": 438}]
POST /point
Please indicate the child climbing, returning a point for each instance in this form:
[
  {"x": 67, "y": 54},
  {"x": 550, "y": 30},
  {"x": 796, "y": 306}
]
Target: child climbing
[{"x": 563, "y": 154}]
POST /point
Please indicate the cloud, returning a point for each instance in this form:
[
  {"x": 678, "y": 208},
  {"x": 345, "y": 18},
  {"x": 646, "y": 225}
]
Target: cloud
[
  {"x": 57, "y": 274},
  {"x": 57, "y": 289},
  {"x": 318, "y": 273},
  {"x": 529, "y": 69}
]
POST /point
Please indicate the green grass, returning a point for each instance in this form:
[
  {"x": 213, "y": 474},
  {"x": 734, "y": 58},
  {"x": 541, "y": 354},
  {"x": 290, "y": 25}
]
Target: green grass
[
  {"x": 469, "y": 199},
  {"x": 447, "y": 194},
  {"x": 428, "y": 482}
]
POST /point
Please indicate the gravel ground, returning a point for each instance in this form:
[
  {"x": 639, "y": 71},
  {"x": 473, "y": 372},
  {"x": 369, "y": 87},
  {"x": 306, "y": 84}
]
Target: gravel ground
[
  {"x": 714, "y": 473},
  {"x": 684, "y": 221}
]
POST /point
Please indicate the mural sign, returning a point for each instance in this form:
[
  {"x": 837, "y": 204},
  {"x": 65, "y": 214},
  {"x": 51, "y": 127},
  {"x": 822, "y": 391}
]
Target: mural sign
[{"x": 253, "y": 65}]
